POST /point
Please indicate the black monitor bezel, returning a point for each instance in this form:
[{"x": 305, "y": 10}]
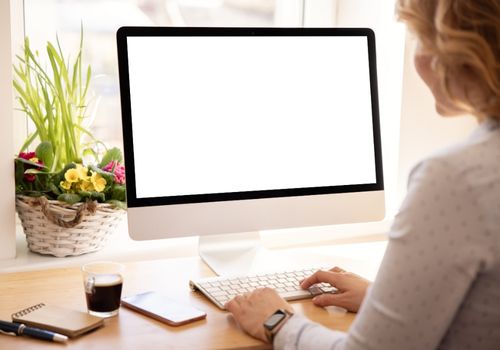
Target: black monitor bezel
[{"x": 132, "y": 201}]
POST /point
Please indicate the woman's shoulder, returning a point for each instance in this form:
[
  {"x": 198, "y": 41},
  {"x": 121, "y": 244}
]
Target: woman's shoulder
[
  {"x": 470, "y": 161},
  {"x": 456, "y": 192}
]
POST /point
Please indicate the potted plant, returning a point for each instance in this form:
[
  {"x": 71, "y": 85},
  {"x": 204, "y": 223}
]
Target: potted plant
[{"x": 69, "y": 196}]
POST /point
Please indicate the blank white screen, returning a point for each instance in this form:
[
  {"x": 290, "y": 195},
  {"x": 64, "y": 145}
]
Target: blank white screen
[{"x": 231, "y": 114}]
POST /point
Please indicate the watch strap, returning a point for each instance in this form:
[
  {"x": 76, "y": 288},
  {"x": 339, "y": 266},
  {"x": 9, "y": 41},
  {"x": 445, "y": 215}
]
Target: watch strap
[{"x": 271, "y": 332}]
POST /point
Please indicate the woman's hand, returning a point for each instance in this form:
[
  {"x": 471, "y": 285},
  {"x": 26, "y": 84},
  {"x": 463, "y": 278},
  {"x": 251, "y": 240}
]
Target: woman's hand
[
  {"x": 251, "y": 310},
  {"x": 352, "y": 288}
]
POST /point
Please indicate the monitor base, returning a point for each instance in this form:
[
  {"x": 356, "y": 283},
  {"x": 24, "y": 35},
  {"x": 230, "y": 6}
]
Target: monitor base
[{"x": 230, "y": 254}]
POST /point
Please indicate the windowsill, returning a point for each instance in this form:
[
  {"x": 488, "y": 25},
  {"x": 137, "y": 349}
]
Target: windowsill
[{"x": 354, "y": 242}]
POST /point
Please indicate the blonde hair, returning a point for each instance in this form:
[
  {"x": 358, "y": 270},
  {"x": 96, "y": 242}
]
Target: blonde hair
[{"x": 464, "y": 37}]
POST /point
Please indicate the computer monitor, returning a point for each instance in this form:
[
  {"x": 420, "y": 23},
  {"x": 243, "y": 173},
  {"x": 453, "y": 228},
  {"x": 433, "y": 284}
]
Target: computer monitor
[{"x": 230, "y": 130}]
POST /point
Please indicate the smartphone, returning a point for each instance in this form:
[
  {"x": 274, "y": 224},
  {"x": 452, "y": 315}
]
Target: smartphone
[{"x": 161, "y": 308}]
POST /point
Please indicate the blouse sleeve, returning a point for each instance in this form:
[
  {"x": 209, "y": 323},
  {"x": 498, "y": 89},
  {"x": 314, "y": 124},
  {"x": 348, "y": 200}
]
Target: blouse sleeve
[{"x": 425, "y": 274}]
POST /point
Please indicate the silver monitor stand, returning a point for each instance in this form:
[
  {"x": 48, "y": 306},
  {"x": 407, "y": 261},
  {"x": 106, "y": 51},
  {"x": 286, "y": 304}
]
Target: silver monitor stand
[{"x": 230, "y": 254}]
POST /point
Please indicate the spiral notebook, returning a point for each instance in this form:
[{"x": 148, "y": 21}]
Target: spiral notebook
[{"x": 57, "y": 319}]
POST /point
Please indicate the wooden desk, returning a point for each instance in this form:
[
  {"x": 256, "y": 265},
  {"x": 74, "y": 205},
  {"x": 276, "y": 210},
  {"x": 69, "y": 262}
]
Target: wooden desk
[{"x": 131, "y": 330}]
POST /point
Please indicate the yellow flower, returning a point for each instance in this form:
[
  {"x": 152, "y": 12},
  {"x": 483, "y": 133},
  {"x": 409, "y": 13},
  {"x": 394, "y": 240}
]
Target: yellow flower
[
  {"x": 98, "y": 181},
  {"x": 86, "y": 186},
  {"x": 82, "y": 172},
  {"x": 71, "y": 175},
  {"x": 66, "y": 185},
  {"x": 34, "y": 160}
]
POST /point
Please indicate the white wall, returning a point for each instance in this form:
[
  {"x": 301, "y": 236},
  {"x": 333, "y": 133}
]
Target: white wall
[
  {"x": 20, "y": 121},
  {"x": 288, "y": 13},
  {"x": 7, "y": 214},
  {"x": 390, "y": 39},
  {"x": 320, "y": 13}
]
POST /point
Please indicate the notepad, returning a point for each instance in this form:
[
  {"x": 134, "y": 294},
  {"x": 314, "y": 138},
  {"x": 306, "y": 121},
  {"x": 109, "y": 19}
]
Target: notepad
[{"x": 57, "y": 319}]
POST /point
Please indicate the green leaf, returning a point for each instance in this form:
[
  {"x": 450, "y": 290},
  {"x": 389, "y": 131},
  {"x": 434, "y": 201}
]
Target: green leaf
[
  {"x": 34, "y": 171},
  {"x": 28, "y": 141},
  {"x": 98, "y": 196},
  {"x": 45, "y": 153},
  {"x": 54, "y": 99},
  {"x": 70, "y": 198},
  {"x": 33, "y": 193},
  {"x": 112, "y": 154},
  {"x": 90, "y": 152},
  {"x": 19, "y": 171},
  {"x": 29, "y": 162},
  {"x": 85, "y": 194},
  {"x": 54, "y": 189},
  {"x": 119, "y": 193}
]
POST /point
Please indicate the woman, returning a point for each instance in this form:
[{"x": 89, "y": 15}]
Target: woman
[{"x": 438, "y": 286}]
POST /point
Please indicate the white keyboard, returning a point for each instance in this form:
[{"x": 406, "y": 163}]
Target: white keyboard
[{"x": 222, "y": 289}]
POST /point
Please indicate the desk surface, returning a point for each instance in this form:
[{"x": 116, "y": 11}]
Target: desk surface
[{"x": 130, "y": 330}]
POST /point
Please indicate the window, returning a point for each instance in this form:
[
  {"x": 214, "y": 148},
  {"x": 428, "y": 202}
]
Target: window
[
  {"x": 101, "y": 18},
  {"x": 380, "y": 16}
]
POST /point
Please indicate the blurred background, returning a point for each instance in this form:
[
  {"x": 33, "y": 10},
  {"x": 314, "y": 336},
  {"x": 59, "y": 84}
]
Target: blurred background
[
  {"x": 101, "y": 19},
  {"x": 42, "y": 20}
]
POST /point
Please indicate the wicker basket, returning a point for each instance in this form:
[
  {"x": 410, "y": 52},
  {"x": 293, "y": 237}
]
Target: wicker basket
[{"x": 59, "y": 229}]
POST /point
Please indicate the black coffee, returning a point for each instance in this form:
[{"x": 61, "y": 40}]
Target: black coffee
[{"x": 103, "y": 293}]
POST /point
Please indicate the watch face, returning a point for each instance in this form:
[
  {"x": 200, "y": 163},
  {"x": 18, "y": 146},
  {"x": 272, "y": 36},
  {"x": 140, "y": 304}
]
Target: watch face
[{"x": 274, "y": 319}]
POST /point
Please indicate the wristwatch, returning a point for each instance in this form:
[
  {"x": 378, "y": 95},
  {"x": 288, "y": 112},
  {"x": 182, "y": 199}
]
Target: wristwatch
[{"x": 274, "y": 323}]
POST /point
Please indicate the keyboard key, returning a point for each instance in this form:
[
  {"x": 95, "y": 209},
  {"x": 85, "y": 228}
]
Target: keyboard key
[
  {"x": 212, "y": 290},
  {"x": 329, "y": 289},
  {"x": 315, "y": 290},
  {"x": 296, "y": 295}
]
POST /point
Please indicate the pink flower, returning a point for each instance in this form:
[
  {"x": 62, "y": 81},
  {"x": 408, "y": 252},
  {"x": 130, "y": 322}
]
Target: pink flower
[
  {"x": 27, "y": 155},
  {"x": 30, "y": 177},
  {"x": 117, "y": 169},
  {"x": 31, "y": 156}
]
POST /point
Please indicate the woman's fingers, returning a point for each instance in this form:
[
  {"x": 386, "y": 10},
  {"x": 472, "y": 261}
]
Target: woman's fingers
[
  {"x": 351, "y": 288},
  {"x": 341, "y": 300},
  {"x": 320, "y": 277},
  {"x": 233, "y": 306},
  {"x": 346, "y": 300},
  {"x": 328, "y": 299},
  {"x": 334, "y": 269}
]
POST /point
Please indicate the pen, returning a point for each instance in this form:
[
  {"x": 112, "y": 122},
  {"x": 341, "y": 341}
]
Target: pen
[{"x": 21, "y": 329}]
